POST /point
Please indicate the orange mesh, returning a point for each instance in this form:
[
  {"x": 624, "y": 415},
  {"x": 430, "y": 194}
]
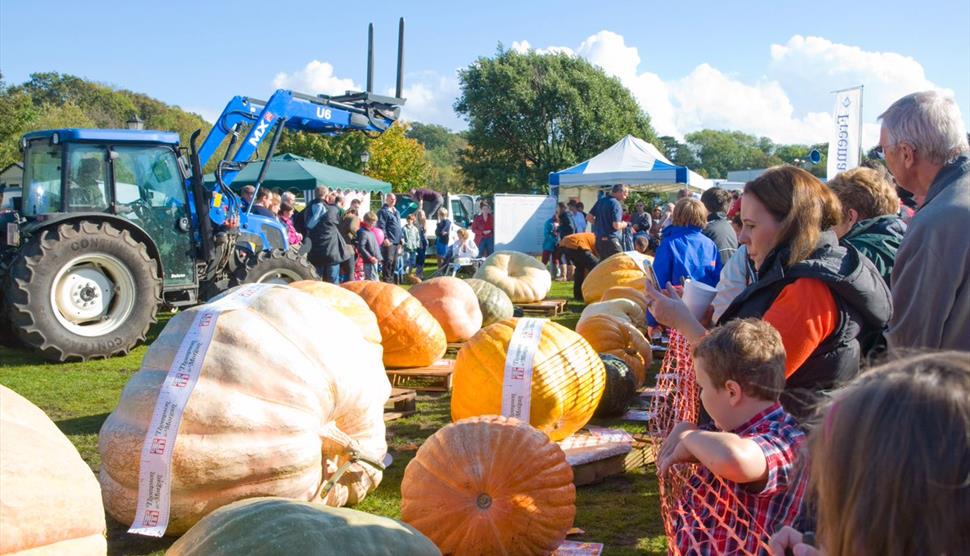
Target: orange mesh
[{"x": 683, "y": 508}]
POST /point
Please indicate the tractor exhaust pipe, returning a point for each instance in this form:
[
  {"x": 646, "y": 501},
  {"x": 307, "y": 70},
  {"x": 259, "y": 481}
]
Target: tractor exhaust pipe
[
  {"x": 370, "y": 58},
  {"x": 400, "y": 59}
]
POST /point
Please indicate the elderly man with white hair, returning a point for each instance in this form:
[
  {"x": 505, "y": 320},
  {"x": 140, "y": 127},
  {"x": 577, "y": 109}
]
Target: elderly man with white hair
[{"x": 924, "y": 143}]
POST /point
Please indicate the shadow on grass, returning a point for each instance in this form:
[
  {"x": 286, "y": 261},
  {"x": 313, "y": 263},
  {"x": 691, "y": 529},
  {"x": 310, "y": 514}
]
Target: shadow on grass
[
  {"x": 120, "y": 542},
  {"x": 88, "y": 424}
]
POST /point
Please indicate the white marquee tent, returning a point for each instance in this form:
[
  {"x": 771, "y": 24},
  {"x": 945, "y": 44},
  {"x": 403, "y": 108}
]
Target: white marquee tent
[{"x": 630, "y": 161}]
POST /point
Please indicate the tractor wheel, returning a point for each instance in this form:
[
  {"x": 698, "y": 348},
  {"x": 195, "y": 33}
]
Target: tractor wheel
[
  {"x": 274, "y": 267},
  {"x": 83, "y": 291}
]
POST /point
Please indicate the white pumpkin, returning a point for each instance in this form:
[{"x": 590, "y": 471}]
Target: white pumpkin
[
  {"x": 622, "y": 308},
  {"x": 50, "y": 501},
  {"x": 283, "y": 383}
]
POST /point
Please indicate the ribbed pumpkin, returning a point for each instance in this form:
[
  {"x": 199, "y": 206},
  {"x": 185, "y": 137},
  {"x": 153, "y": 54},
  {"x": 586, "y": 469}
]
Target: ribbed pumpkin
[
  {"x": 621, "y": 308},
  {"x": 625, "y": 292},
  {"x": 277, "y": 527},
  {"x": 493, "y": 302},
  {"x": 567, "y": 378},
  {"x": 621, "y": 269},
  {"x": 453, "y": 303},
  {"x": 610, "y": 335},
  {"x": 283, "y": 384},
  {"x": 347, "y": 303},
  {"x": 490, "y": 485},
  {"x": 51, "y": 502},
  {"x": 621, "y": 388},
  {"x": 522, "y": 277},
  {"x": 411, "y": 336}
]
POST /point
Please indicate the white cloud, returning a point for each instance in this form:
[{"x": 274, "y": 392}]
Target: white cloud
[
  {"x": 208, "y": 114},
  {"x": 522, "y": 47},
  {"x": 315, "y": 78},
  {"x": 790, "y": 103},
  {"x": 429, "y": 99}
]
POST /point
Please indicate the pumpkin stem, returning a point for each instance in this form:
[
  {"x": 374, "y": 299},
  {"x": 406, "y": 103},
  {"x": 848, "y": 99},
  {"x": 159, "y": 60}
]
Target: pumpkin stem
[{"x": 483, "y": 502}]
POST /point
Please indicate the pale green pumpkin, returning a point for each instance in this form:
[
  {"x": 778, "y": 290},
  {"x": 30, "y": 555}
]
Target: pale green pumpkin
[{"x": 494, "y": 303}]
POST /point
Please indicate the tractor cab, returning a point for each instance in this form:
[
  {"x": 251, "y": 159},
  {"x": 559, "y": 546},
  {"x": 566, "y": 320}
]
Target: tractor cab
[{"x": 136, "y": 176}]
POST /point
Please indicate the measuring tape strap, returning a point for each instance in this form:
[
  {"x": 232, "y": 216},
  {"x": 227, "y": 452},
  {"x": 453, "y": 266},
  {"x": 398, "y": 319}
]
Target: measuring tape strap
[
  {"x": 154, "y": 476},
  {"x": 517, "y": 380}
]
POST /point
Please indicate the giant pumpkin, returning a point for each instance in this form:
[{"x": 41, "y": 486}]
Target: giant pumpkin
[
  {"x": 50, "y": 502},
  {"x": 490, "y": 485},
  {"x": 625, "y": 292},
  {"x": 522, "y": 277},
  {"x": 620, "y": 307},
  {"x": 410, "y": 334},
  {"x": 614, "y": 336},
  {"x": 567, "y": 378},
  {"x": 621, "y": 269},
  {"x": 287, "y": 389},
  {"x": 494, "y": 303},
  {"x": 277, "y": 527},
  {"x": 453, "y": 304},
  {"x": 347, "y": 303}
]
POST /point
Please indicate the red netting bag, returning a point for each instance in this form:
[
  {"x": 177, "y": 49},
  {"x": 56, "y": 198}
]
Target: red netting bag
[{"x": 702, "y": 514}]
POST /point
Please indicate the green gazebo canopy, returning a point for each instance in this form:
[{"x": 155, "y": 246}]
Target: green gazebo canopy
[{"x": 296, "y": 173}]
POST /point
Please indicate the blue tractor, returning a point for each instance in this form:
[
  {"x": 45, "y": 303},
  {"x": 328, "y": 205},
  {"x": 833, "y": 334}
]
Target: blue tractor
[{"x": 118, "y": 223}]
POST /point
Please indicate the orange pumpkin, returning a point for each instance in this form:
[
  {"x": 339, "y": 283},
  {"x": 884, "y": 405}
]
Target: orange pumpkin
[
  {"x": 453, "y": 303},
  {"x": 567, "y": 378},
  {"x": 490, "y": 485},
  {"x": 613, "y": 336},
  {"x": 621, "y": 269},
  {"x": 345, "y": 302},
  {"x": 409, "y": 333},
  {"x": 626, "y": 292},
  {"x": 51, "y": 499}
]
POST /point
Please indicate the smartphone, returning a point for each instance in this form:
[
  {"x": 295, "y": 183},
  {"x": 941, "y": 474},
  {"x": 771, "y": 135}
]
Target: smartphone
[{"x": 651, "y": 275}]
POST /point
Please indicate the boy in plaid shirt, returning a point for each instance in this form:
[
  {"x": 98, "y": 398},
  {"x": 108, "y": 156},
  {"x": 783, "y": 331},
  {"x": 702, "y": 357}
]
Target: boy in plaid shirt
[{"x": 745, "y": 486}]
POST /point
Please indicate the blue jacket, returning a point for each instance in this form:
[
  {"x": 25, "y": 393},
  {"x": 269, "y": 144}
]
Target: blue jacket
[
  {"x": 685, "y": 252},
  {"x": 389, "y": 221}
]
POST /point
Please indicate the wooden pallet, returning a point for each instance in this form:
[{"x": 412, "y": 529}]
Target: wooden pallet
[
  {"x": 433, "y": 378},
  {"x": 547, "y": 308},
  {"x": 453, "y": 348},
  {"x": 402, "y": 403}
]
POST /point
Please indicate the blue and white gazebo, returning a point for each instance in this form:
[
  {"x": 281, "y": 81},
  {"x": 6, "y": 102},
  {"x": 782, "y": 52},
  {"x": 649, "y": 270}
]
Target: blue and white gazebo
[{"x": 631, "y": 161}]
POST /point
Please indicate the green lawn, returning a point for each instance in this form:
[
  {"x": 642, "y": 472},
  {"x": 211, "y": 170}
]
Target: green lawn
[{"x": 622, "y": 512}]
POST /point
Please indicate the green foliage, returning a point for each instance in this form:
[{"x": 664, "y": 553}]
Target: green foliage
[
  {"x": 531, "y": 114},
  {"x": 443, "y": 149},
  {"x": 399, "y": 160},
  {"x": 51, "y": 100},
  {"x": 680, "y": 154},
  {"x": 341, "y": 151},
  {"x": 721, "y": 151}
]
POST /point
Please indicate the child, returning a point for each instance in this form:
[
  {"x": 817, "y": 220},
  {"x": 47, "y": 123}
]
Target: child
[
  {"x": 412, "y": 242},
  {"x": 745, "y": 487},
  {"x": 367, "y": 246},
  {"x": 890, "y": 463}
]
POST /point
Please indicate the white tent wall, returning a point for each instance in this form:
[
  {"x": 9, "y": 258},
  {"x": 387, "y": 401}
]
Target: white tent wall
[{"x": 520, "y": 221}]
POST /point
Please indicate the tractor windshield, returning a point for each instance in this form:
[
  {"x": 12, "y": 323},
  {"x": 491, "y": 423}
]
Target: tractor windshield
[{"x": 42, "y": 178}]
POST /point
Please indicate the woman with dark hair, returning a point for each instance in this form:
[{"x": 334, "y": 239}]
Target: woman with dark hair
[{"x": 826, "y": 300}]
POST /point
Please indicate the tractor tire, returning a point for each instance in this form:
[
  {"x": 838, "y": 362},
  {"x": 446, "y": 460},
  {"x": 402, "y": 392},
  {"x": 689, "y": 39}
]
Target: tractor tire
[
  {"x": 83, "y": 291},
  {"x": 274, "y": 267}
]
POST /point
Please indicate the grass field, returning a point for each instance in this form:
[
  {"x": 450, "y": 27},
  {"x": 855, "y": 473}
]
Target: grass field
[{"x": 622, "y": 512}]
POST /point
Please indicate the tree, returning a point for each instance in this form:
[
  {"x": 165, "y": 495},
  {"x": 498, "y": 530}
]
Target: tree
[
  {"x": 399, "y": 160},
  {"x": 531, "y": 114},
  {"x": 16, "y": 112},
  {"x": 722, "y": 151},
  {"x": 342, "y": 151},
  {"x": 443, "y": 149},
  {"x": 679, "y": 153}
]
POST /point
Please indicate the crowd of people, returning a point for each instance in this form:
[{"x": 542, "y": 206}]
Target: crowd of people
[
  {"x": 346, "y": 244},
  {"x": 803, "y": 424}
]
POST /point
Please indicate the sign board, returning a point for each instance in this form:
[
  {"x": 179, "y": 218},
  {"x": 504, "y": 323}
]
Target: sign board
[{"x": 520, "y": 220}]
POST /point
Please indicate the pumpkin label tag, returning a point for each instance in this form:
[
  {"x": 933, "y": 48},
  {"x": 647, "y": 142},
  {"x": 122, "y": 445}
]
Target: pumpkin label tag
[
  {"x": 154, "y": 476},
  {"x": 517, "y": 383}
]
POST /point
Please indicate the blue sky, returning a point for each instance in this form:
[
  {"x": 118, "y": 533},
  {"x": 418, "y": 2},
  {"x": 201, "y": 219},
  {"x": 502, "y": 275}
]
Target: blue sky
[{"x": 762, "y": 67}]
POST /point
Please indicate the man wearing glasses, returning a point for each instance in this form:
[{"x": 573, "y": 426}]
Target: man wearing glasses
[{"x": 924, "y": 143}]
